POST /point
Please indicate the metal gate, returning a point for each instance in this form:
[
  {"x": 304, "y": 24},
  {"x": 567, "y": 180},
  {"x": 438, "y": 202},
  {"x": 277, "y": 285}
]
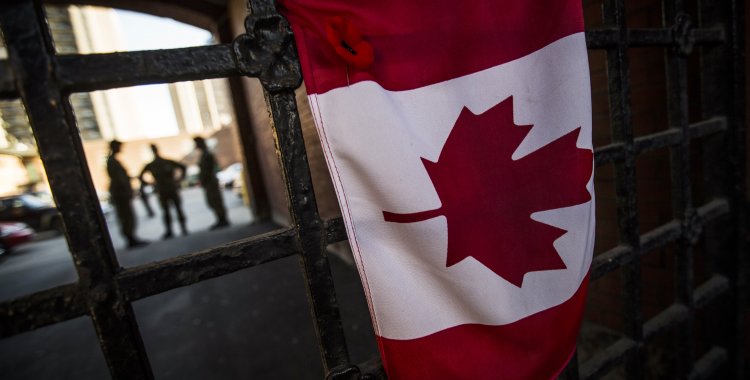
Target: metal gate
[{"x": 44, "y": 80}]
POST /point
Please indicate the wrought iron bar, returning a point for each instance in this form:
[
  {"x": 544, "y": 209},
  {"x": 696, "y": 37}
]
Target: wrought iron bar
[
  {"x": 32, "y": 57},
  {"x": 41, "y": 309},
  {"x": 670, "y": 318},
  {"x": 710, "y": 290},
  {"x": 92, "y": 72},
  {"x": 709, "y": 364},
  {"x": 608, "y": 261},
  {"x": 723, "y": 95},
  {"x": 674, "y": 17},
  {"x": 275, "y": 62},
  {"x": 618, "y": 76},
  {"x": 161, "y": 276},
  {"x": 609, "y": 37},
  {"x": 608, "y": 358},
  {"x": 335, "y": 231},
  {"x": 642, "y": 144},
  {"x": 655, "y": 239}
]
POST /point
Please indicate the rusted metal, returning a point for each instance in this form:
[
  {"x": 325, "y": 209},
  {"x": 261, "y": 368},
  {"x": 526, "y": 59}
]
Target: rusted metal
[
  {"x": 680, "y": 37},
  {"x": 665, "y": 139},
  {"x": 618, "y": 76},
  {"x": 92, "y": 72},
  {"x": 268, "y": 52},
  {"x": 41, "y": 309},
  {"x": 161, "y": 276},
  {"x": 31, "y": 56}
]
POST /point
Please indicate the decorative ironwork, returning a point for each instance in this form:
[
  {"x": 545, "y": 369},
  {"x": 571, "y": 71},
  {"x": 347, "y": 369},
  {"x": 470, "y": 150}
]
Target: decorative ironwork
[{"x": 267, "y": 51}]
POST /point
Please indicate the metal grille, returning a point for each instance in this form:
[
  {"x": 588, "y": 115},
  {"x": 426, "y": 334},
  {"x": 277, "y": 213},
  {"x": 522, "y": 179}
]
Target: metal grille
[{"x": 44, "y": 80}]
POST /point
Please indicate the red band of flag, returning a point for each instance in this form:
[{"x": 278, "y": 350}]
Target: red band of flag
[
  {"x": 491, "y": 352},
  {"x": 417, "y": 43}
]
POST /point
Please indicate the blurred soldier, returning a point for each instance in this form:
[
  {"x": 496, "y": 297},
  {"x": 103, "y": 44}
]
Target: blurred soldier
[
  {"x": 121, "y": 194},
  {"x": 144, "y": 199},
  {"x": 168, "y": 188},
  {"x": 210, "y": 184}
]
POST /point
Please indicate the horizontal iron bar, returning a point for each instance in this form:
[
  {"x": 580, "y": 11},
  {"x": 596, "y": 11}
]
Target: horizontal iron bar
[
  {"x": 670, "y": 137},
  {"x": 41, "y": 309},
  {"x": 642, "y": 37},
  {"x": 602, "y": 362},
  {"x": 654, "y": 239},
  {"x": 609, "y": 261},
  {"x": 609, "y": 153},
  {"x": 709, "y": 363},
  {"x": 707, "y": 36},
  {"x": 335, "y": 230},
  {"x": 147, "y": 280},
  {"x": 713, "y": 209},
  {"x": 91, "y": 72},
  {"x": 668, "y": 318},
  {"x": 707, "y": 127},
  {"x": 660, "y": 236},
  {"x": 620, "y": 255},
  {"x": 710, "y": 290},
  {"x": 677, "y": 313}
]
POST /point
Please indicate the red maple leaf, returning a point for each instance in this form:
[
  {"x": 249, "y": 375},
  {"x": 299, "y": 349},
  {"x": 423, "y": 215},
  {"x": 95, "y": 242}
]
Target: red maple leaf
[{"x": 488, "y": 198}]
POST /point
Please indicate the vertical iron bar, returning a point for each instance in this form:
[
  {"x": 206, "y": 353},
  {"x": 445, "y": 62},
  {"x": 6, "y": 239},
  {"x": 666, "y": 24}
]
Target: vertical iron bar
[
  {"x": 618, "y": 75},
  {"x": 673, "y": 14},
  {"x": 723, "y": 94},
  {"x": 304, "y": 213},
  {"x": 32, "y": 57},
  {"x": 738, "y": 259},
  {"x": 280, "y": 76}
]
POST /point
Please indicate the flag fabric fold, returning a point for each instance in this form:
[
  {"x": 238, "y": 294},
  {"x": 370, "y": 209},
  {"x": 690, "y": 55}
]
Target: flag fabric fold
[{"x": 458, "y": 138}]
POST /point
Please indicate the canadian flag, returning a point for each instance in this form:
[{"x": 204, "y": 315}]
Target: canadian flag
[{"x": 458, "y": 137}]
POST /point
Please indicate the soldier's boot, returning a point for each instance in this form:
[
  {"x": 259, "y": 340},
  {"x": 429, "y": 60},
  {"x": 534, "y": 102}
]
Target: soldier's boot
[
  {"x": 134, "y": 242},
  {"x": 221, "y": 218},
  {"x": 167, "y": 222},
  {"x": 220, "y": 224},
  {"x": 183, "y": 227}
]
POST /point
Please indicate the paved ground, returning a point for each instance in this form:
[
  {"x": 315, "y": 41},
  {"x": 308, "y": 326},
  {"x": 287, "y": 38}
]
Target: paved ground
[{"x": 253, "y": 323}]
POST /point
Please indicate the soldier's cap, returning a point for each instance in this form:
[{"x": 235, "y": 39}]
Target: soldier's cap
[{"x": 114, "y": 143}]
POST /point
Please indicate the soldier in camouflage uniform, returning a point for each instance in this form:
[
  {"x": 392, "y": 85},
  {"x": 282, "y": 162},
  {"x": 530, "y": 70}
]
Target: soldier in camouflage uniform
[
  {"x": 210, "y": 184},
  {"x": 121, "y": 194},
  {"x": 168, "y": 188}
]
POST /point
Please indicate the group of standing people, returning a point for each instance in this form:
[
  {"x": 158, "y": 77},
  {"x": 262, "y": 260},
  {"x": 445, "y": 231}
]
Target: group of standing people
[{"x": 167, "y": 176}]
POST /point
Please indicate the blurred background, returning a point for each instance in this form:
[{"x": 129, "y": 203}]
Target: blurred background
[{"x": 252, "y": 323}]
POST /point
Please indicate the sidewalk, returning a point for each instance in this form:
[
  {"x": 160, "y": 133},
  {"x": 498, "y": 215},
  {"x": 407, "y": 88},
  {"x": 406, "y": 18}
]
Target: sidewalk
[{"x": 254, "y": 323}]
